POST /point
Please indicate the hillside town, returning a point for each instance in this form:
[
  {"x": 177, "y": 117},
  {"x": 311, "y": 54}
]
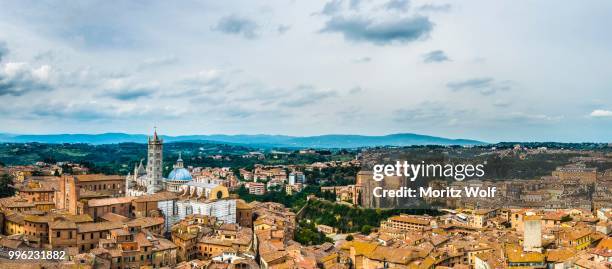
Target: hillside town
[{"x": 210, "y": 217}]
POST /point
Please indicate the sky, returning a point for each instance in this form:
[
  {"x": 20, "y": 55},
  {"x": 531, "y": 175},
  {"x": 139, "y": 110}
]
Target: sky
[{"x": 486, "y": 70}]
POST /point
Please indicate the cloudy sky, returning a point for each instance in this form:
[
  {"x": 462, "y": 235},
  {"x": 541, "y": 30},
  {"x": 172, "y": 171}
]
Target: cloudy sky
[{"x": 488, "y": 70}]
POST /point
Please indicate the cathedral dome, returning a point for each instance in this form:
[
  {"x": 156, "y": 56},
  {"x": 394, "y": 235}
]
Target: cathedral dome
[{"x": 179, "y": 174}]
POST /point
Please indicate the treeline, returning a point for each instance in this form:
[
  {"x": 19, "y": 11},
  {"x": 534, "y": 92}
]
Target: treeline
[
  {"x": 120, "y": 158},
  {"x": 551, "y": 145},
  {"x": 527, "y": 167},
  {"x": 349, "y": 219},
  {"x": 332, "y": 176},
  {"x": 279, "y": 195}
]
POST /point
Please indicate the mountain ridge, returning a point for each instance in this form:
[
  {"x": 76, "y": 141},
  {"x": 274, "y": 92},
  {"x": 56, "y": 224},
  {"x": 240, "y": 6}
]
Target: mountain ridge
[{"x": 318, "y": 141}]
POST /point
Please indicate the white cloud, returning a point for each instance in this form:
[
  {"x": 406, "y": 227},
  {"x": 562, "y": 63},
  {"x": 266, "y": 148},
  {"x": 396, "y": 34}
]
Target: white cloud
[
  {"x": 18, "y": 78},
  {"x": 600, "y": 113}
]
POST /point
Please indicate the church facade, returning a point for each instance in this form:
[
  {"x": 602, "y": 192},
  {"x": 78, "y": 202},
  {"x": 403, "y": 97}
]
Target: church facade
[{"x": 203, "y": 196}]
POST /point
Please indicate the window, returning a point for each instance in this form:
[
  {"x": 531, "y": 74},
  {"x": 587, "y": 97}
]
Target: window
[{"x": 56, "y": 235}]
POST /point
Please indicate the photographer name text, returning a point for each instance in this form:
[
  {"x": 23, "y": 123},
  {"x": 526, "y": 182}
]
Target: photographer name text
[{"x": 422, "y": 192}]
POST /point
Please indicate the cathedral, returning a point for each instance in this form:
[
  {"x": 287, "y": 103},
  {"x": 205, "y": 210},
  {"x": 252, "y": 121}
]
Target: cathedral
[
  {"x": 206, "y": 196},
  {"x": 147, "y": 181}
]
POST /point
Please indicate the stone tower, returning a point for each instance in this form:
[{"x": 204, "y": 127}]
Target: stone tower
[
  {"x": 154, "y": 164},
  {"x": 532, "y": 237}
]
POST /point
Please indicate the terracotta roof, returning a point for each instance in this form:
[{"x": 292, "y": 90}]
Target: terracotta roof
[
  {"x": 142, "y": 240},
  {"x": 11, "y": 242},
  {"x": 119, "y": 232},
  {"x": 79, "y": 218},
  {"x": 273, "y": 256},
  {"x": 559, "y": 255},
  {"x": 98, "y": 226},
  {"x": 114, "y": 217},
  {"x": 515, "y": 254},
  {"x": 160, "y": 196},
  {"x": 393, "y": 255},
  {"x": 15, "y": 217},
  {"x": 145, "y": 222},
  {"x": 605, "y": 243},
  {"x": 576, "y": 233},
  {"x": 98, "y": 177},
  {"x": 38, "y": 219},
  {"x": 164, "y": 244},
  {"x": 109, "y": 201},
  {"x": 410, "y": 219},
  {"x": 241, "y": 204},
  {"x": 360, "y": 247},
  {"x": 62, "y": 224}
]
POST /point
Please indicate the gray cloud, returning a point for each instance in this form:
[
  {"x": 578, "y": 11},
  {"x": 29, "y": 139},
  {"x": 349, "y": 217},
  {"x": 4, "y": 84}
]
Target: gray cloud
[
  {"x": 332, "y": 7},
  {"x": 205, "y": 81},
  {"x": 401, "y": 5},
  {"x": 3, "y": 50},
  {"x": 485, "y": 86},
  {"x": 281, "y": 29},
  {"x": 435, "y": 56},
  {"x": 355, "y": 90},
  {"x": 305, "y": 95},
  {"x": 236, "y": 25},
  {"x": 17, "y": 79},
  {"x": 431, "y": 112},
  {"x": 395, "y": 30},
  {"x": 529, "y": 118},
  {"x": 101, "y": 111},
  {"x": 130, "y": 94},
  {"x": 435, "y": 8},
  {"x": 79, "y": 112},
  {"x": 208, "y": 100},
  {"x": 232, "y": 89},
  {"x": 501, "y": 103},
  {"x": 157, "y": 62},
  {"x": 355, "y": 4},
  {"x": 238, "y": 113}
]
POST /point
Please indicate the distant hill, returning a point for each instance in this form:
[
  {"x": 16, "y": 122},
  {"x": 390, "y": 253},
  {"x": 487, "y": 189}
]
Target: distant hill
[{"x": 322, "y": 141}]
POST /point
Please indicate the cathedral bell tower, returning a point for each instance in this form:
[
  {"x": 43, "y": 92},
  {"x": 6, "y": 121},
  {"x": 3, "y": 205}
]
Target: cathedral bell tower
[{"x": 154, "y": 164}]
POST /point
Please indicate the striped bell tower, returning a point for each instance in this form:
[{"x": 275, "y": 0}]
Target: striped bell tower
[{"x": 154, "y": 163}]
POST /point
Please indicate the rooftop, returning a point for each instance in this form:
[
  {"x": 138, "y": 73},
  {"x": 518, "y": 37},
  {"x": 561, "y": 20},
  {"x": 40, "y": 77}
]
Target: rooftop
[
  {"x": 97, "y": 177},
  {"x": 109, "y": 201}
]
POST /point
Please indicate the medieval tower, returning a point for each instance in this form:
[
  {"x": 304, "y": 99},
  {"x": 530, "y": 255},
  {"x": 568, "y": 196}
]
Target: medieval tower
[{"x": 154, "y": 164}]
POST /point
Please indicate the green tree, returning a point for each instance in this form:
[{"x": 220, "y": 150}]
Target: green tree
[
  {"x": 6, "y": 186},
  {"x": 307, "y": 234},
  {"x": 366, "y": 229}
]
